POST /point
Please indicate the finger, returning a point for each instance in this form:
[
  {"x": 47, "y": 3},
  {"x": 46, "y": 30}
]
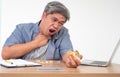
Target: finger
[
  {"x": 78, "y": 62},
  {"x": 49, "y": 37},
  {"x": 72, "y": 61},
  {"x": 76, "y": 59},
  {"x": 46, "y": 36},
  {"x": 70, "y": 64}
]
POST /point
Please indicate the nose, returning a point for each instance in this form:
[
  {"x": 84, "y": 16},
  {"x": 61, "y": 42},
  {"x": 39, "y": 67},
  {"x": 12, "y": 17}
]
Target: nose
[{"x": 56, "y": 24}]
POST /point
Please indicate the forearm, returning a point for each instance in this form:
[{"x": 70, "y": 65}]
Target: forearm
[{"x": 17, "y": 50}]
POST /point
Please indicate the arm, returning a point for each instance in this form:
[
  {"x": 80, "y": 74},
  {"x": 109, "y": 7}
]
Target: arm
[
  {"x": 17, "y": 50},
  {"x": 66, "y": 50}
]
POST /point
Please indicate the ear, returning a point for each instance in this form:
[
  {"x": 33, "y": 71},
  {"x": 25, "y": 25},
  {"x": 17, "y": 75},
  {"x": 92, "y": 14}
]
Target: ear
[{"x": 44, "y": 15}]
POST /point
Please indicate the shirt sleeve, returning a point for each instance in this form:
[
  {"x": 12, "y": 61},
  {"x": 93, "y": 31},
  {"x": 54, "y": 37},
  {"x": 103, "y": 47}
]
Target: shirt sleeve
[
  {"x": 66, "y": 43},
  {"x": 16, "y": 37}
]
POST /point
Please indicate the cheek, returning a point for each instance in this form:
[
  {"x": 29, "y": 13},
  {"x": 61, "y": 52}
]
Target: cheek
[{"x": 46, "y": 22}]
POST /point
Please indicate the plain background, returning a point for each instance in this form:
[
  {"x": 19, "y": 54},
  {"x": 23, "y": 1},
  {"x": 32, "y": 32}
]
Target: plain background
[{"x": 94, "y": 26}]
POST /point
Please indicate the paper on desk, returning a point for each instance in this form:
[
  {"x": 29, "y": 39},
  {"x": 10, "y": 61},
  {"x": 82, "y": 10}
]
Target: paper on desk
[{"x": 18, "y": 63}]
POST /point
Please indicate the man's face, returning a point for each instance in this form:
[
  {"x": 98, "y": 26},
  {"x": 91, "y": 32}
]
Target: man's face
[{"x": 51, "y": 23}]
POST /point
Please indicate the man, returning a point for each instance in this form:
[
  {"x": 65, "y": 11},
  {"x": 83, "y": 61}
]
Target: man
[{"x": 46, "y": 39}]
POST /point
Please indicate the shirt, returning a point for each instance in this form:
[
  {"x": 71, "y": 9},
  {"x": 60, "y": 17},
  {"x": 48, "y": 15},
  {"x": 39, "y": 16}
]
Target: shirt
[
  {"x": 34, "y": 54},
  {"x": 58, "y": 45}
]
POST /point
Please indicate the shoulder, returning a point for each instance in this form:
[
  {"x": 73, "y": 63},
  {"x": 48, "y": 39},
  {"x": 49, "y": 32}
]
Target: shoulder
[
  {"x": 62, "y": 33},
  {"x": 63, "y": 30},
  {"x": 25, "y": 26}
]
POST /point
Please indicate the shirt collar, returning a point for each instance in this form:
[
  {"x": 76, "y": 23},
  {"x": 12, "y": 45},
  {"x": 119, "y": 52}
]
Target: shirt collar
[{"x": 37, "y": 30}]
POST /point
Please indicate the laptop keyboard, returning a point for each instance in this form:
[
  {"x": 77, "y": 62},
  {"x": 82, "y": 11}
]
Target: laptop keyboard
[{"x": 98, "y": 62}]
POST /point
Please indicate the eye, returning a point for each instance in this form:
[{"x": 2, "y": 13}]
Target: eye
[
  {"x": 61, "y": 23},
  {"x": 54, "y": 19}
]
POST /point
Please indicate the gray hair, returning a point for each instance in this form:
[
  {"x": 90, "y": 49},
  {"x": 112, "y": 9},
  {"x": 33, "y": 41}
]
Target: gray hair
[{"x": 57, "y": 7}]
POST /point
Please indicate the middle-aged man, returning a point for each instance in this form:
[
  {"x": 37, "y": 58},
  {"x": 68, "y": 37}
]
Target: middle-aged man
[{"x": 47, "y": 39}]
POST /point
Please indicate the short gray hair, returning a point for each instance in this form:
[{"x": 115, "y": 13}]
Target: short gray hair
[{"x": 57, "y": 7}]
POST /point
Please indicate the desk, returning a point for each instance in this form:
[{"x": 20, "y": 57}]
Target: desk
[{"x": 82, "y": 71}]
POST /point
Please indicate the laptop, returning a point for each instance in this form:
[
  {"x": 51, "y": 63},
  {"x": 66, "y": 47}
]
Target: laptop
[{"x": 101, "y": 63}]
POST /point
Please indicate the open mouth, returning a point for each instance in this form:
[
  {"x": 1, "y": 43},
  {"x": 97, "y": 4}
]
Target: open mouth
[{"x": 51, "y": 30}]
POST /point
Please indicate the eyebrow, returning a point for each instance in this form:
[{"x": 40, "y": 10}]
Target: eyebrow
[{"x": 58, "y": 19}]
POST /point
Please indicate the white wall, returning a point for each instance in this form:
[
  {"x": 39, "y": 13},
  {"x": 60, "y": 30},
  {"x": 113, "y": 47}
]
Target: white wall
[{"x": 94, "y": 25}]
